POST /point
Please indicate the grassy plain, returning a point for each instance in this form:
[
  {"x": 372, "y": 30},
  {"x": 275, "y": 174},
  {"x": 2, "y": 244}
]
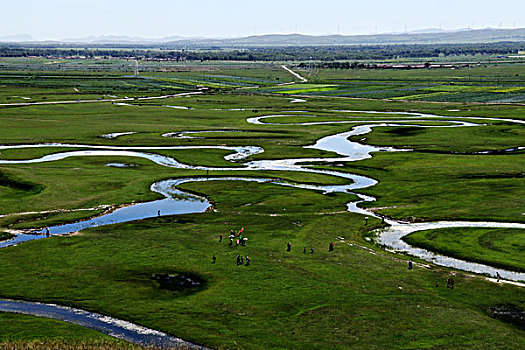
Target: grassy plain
[
  {"x": 348, "y": 298},
  {"x": 498, "y": 82},
  {"x": 35, "y": 79},
  {"x": 498, "y": 247}
]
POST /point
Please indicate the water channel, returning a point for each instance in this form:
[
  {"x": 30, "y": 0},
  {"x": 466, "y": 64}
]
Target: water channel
[{"x": 179, "y": 202}]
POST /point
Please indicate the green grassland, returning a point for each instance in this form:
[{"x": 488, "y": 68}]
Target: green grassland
[
  {"x": 423, "y": 187},
  {"x": 348, "y": 298},
  {"x": 37, "y": 81},
  {"x": 505, "y": 245},
  {"x": 496, "y": 83},
  {"x": 494, "y": 137},
  {"x": 55, "y": 80},
  {"x": 26, "y": 328}
]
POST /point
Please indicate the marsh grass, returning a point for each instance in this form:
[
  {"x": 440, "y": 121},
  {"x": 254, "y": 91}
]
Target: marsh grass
[
  {"x": 72, "y": 345},
  {"x": 348, "y": 298}
]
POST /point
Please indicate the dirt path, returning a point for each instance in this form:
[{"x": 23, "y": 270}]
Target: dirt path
[{"x": 303, "y": 79}]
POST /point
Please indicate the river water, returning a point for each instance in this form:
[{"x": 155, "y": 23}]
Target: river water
[{"x": 179, "y": 202}]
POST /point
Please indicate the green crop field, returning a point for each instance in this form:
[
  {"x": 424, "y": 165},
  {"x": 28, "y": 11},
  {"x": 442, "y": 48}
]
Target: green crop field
[
  {"x": 496, "y": 82},
  {"x": 357, "y": 296}
]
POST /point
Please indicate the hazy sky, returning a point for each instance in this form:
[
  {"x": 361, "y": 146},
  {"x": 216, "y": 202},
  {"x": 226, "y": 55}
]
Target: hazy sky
[{"x": 59, "y": 19}]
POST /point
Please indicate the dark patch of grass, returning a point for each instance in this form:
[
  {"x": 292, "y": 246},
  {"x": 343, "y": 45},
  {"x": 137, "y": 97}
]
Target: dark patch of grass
[
  {"x": 495, "y": 176},
  {"x": 5, "y": 235},
  {"x": 185, "y": 283},
  {"x": 405, "y": 131},
  {"x": 509, "y": 313},
  {"x": 20, "y": 185}
]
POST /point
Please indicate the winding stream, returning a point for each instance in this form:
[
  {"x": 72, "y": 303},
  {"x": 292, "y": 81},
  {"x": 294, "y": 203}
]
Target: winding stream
[
  {"x": 111, "y": 326},
  {"x": 179, "y": 202}
]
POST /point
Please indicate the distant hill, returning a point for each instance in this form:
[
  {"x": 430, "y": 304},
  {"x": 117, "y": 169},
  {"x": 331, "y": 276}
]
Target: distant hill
[
  {"x": 15, "y": 38},
  {"x": 440, "y": 37},
  {"x": 423, "y": 36},
  {"x": 114, "y": 39}
]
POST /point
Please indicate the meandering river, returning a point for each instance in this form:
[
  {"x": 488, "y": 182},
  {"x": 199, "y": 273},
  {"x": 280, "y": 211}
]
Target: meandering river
[{"x": 179, "y": 202}]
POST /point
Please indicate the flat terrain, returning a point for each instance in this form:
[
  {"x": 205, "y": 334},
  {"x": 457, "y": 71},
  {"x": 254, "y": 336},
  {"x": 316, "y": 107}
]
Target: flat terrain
[
  {"x": 357, "y": 296},
  {"x": 499, "y": 247}
]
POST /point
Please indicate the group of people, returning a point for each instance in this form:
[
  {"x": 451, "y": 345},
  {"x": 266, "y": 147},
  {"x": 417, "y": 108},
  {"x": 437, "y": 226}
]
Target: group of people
[
  {"x": 239, "y": 240},
  {"x": 311, "y": 250},
  {"x": 241, "y": 261},
  {"x": 289, "y": 248}
]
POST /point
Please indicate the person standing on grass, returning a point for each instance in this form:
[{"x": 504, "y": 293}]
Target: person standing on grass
[
  {"x": 220, "y": 238},
  {"x": 450, "y": 282},
  {"x": 312, "y": 250},
  {"x": 410, "y": 264},
  {"x": 213, "y": 258},
  {"x": 238, "y": 259},
  {"x": 331, "y": 247},
  {"x": 289, "y": 247},
  {"x": 247, "y": 260}
]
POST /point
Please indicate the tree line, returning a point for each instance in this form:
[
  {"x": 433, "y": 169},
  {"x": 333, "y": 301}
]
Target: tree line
[{"x": 299, "y": 53}]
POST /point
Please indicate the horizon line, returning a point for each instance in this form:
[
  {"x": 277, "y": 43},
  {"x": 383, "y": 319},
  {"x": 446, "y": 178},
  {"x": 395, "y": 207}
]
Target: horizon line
[{"x": 202, "y": 37}]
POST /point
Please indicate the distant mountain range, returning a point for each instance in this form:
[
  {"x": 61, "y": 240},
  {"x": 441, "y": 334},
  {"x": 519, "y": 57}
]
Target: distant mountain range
[
  {"x": 424, "y": 36},
  {"x": 433, "y": 37},
  {"x": 16, "y": 38},
  {"x": 114, "y": 39}
]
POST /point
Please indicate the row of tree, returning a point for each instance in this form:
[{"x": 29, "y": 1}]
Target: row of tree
[{"x": 303, "y": 53}]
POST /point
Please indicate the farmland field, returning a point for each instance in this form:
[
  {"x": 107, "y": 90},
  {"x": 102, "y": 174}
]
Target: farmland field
[
  {"x": 497, "y": 82},
  {"x": 450, "y": 162}
]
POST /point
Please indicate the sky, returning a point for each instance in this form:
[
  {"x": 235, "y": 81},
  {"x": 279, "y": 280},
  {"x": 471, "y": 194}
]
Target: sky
[{"x": 61, "y": 19}]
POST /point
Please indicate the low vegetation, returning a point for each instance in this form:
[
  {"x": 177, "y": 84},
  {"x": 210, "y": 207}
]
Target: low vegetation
[
  {"x": 497, "y": 247},
  {"x": 358, "y": 294}
]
